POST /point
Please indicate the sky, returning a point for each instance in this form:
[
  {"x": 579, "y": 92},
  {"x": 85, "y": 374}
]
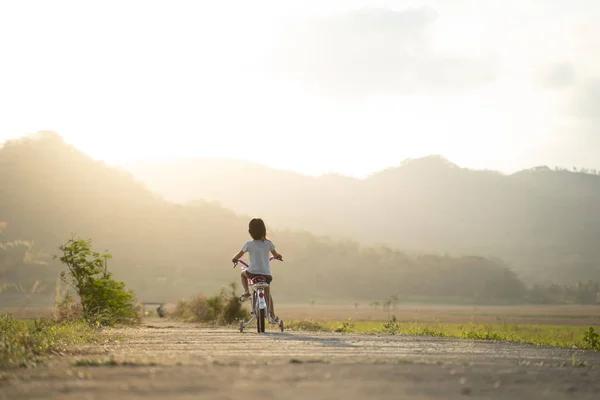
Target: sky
[{"x": 342, "y": 86}]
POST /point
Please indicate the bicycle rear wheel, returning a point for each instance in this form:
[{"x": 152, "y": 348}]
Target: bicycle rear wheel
[
  {"x": 260, "y": 321},
  {"x": 259, "y": 314}
]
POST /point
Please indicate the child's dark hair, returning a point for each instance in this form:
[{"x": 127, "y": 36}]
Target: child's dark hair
[{"x": 257, "y": 229}]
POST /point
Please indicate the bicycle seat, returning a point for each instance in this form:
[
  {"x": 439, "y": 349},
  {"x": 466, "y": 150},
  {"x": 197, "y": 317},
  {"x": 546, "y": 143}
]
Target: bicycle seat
[{"x": 258, "y": 281}]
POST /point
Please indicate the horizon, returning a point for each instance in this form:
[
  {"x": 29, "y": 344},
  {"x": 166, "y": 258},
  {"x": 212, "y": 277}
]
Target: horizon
[
  {"x": 499, "y": 86},
  {"x": 398, "y": 164}
]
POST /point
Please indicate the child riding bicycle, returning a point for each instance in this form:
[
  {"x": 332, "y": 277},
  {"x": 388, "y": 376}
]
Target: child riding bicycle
[{"x": 258, "y": 249}]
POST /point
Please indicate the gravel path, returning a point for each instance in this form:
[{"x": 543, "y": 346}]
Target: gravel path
[{"x": 180, "y": 361}]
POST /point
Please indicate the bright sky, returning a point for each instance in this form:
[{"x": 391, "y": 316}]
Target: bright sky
[{"x": 320, "y": 86}]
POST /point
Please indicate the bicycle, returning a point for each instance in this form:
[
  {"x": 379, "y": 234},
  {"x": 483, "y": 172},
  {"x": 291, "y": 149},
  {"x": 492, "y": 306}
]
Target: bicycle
[{"x": 259, "y": 304}]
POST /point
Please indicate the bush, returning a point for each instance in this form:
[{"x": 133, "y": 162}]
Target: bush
[
  {"x": 103, "y": 300},
  {"x": 222, "y": 309},
  {"x": 192, "y": 310},
  {"x": 68, "y": 309},
  {"x": 233, "y": 310},
  {"x": 591, "y": 340}
]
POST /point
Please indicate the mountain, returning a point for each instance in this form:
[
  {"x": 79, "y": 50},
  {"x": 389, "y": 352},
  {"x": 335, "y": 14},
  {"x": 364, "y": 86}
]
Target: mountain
[
  {"x": 544, "y": 223},
  {"x": 165, "y": 251}
]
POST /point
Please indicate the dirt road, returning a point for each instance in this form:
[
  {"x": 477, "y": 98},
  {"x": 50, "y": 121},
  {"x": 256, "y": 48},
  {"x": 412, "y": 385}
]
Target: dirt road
[{"x": 181, "y": 361}]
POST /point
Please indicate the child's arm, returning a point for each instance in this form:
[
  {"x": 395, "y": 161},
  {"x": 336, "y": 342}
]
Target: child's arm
[
  {"x": 277, "y": 255},
  {"x": 274, "y": 252},
  {"x": 238, "y": 256}
]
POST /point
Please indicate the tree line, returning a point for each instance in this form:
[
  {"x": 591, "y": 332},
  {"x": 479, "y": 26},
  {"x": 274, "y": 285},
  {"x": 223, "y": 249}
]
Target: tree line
[{"x": 166, "y": 251}]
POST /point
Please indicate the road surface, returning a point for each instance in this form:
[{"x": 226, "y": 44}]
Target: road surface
[{"x": 182, "y": 361}]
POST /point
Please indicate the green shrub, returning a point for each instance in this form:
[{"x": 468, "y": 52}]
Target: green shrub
[
  {"x": 591, "y": 340},
  {"x": 181, "y": 309},
  {"x": 222, "y": 309},
  {"x": 234, "y": 310},
  {"x": 103, "y": 300},
  {"x": 192, "y": 310}
]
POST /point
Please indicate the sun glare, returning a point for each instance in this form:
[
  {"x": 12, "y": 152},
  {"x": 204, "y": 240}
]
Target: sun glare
[{"x": 192, "y": 79}]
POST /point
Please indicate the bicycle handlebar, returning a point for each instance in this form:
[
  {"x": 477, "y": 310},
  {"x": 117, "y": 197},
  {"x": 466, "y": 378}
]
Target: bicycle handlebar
[
  {"x": 247, "y": 266},
  {"x": 240, "y": 261}
]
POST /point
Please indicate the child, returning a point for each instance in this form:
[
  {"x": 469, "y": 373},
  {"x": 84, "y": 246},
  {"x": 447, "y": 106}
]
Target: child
[{"x": 258, "y": 249}]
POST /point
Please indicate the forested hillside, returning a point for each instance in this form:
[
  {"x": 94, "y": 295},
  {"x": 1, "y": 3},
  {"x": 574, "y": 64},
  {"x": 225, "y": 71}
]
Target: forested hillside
[
  {"x": 545, "y": 223},
  {"x": 166, "y": 251}
]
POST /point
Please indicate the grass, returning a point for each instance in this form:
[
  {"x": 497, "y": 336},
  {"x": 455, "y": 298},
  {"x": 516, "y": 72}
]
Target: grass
[
  {"x": 111, "y": 362},
  {"x": 27, "y": 343},
  {"x": 308, "y": 325},
  {"x": 309, "y": 361},
  {"x": 549, "y": 335},
  {"x": 570, "y": 315}
]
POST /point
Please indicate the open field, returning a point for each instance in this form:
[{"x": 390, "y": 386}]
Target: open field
[
  {"x": 569, "y": 315},
  {"x": 163, "y": 359},
  {"x": 551, "y": 335}
]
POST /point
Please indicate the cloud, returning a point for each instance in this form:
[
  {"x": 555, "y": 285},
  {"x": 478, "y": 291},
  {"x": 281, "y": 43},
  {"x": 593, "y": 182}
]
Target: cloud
[
  {"x": 579, "y": 134},
  {"x": 373, "y": 51},
  {"x": 559, "y": 75},
  {"x": 586, "y": 100},
  {"x": 578, "y": 92}
]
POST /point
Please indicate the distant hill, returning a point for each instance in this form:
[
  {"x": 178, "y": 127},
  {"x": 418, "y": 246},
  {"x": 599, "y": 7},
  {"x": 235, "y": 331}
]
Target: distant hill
[
  {"x": 545, "y": 223},
  {"x": 166, "y": 251}
]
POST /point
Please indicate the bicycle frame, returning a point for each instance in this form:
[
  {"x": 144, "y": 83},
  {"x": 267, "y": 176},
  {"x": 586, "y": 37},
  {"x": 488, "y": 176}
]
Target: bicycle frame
[{"x": 259, "y": 303}]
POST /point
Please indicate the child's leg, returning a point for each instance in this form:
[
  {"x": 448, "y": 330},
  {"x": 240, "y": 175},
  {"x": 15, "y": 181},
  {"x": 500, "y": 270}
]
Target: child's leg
[
  {"x": 270, "y": 300},
  {"x": 245, "y": 282},
  {"x": 272, "y": 306},
  {"x": 246, "y": 293}
]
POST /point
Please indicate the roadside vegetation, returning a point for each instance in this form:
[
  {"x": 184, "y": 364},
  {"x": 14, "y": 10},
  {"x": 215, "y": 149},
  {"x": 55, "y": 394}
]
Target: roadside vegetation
[
  {"x": 548, "y": 335},
  {"x": 100, "y": 302},
  {"x": 25, "y": 343},
  {"x": 101, "y": 299},
  {"x": 224, "y": 308}
]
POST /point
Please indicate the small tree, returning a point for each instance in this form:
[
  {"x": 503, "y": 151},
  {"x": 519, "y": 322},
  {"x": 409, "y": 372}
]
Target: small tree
[{"x": 103, "y": 299}]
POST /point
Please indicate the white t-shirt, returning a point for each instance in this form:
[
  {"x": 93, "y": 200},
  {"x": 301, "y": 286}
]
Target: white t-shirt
[{"x": 259, "y": 252}]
